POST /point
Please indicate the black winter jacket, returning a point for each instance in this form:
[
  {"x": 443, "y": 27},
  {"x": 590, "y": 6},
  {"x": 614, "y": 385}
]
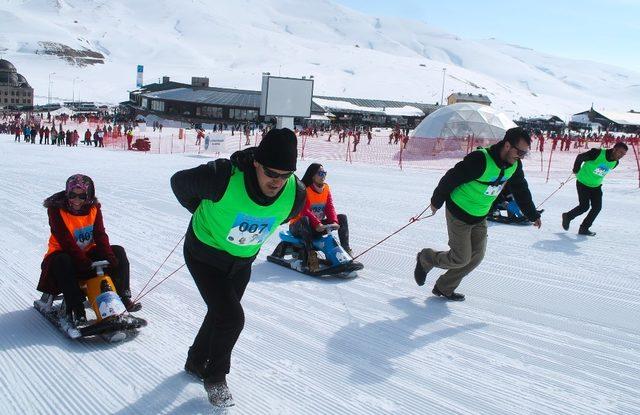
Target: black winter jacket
[
  {"x": 210, "y": 181},
  {"x": 471, "y": 168}
]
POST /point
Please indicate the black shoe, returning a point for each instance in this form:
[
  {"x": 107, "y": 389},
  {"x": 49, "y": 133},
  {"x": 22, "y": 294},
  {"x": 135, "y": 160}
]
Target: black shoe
[
  {"x": 130, "y": 305},
  {"x": 454, "y": 296},
  {"x": 77, "y": 316},
  {"x": 312, "y": 261},
  {"x": 195, "y": 369},
  {"x": 219, "y": 394},
  {"x": 586, "y": 232},
  {"x": 565, "y": 221},
  {"x": 420, "y": 272}
]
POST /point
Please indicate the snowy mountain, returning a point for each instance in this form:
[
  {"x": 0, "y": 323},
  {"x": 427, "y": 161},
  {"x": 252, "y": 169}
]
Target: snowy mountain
[{"x": 99, "y": 43}]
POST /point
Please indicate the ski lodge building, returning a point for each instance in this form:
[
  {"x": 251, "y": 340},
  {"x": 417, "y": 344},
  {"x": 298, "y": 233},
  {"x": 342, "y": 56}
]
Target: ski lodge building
[
  {"x": 198, "y": 102},
  {"x": 624, "y": 122}
]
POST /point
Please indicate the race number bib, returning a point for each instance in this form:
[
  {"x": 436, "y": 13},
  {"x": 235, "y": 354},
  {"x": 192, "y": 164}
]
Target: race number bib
[
  {"x": 248, "y": 230},
  {"x": 318, "y": 210},
  {"x": 494, "y": 190},
  {"x": 84, "y": 236},
  {"x": 601, "y": 170}
]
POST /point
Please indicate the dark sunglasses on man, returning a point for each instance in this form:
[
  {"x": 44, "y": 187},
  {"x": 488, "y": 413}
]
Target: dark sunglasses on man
[
  {"x": 321, "y": 173},
  {"x": 521, "y": 153},
  {"x": 275, "y": 175}
]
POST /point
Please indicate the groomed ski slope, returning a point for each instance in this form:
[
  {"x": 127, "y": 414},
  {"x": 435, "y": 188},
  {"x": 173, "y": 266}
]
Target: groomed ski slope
[{"x": 550, "y": 325}]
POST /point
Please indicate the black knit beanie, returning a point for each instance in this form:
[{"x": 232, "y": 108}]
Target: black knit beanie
[{"x": 278, "y": 150}]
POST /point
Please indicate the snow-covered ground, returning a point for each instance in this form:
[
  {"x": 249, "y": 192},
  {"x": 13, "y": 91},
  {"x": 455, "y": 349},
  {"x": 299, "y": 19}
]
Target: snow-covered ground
[{"x": 550, "y": 325}]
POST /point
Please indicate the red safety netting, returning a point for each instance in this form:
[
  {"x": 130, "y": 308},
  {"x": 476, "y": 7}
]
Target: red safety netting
[{"x": 552, "y": 156}]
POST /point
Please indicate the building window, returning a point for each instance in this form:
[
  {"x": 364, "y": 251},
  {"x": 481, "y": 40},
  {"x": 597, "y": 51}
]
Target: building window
[
  {"x": 145, "y": 103},
  {"x": 238, "y": 114},
  {"x": 12, "y": 100},
  {"x": 209, "y": 112},
  {"x": 13, "y": 93},
  {"x": 157, "y": 105}
]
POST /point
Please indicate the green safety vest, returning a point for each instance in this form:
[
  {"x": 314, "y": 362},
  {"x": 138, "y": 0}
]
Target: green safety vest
[
  {"x": 477, "y": 196},
  {"x": 236, "y": 224},
  {"x": 592, "y": 172}
]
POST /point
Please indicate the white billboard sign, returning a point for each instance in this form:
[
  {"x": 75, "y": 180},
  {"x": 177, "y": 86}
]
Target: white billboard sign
[{"x": 286, "y": 97}]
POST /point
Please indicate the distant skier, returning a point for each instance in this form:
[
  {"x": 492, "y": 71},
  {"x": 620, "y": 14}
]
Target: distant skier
[
  {"x": 469, "y": 189},
  {"x": 77, "y": 239},
  {"x": 236, "y": 205},
  {"x": 590, "y": 168}
]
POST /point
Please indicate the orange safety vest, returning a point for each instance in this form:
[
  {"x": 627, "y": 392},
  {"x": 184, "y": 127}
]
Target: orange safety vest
[
  {"x": 317, "y": 202},
  {"x": 80, "y": 227}
]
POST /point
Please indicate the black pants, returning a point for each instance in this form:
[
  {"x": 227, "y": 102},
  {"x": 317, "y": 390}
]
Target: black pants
[
  {"x": 66, "y": 275},
  {"x": 302, "y": 229},
  {"x": 587, "y": 196},
  {"x": 221, "y": 289}
]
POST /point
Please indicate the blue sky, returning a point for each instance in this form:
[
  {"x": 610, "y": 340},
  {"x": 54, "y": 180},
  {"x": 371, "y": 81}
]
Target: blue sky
[{"x": 605, "y": 31}]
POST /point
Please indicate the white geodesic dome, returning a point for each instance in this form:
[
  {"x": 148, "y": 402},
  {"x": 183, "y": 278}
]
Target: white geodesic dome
[
  {"x": 456, "y": 129},
  {"x": 464, "y": 120}
]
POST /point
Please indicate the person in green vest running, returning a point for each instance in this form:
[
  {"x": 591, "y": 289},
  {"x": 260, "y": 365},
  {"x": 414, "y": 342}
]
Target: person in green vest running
[
  {"x": 469, "y": 190},
  {"x": 590, "y": 168},
  {"x": 236, "y": 204}
]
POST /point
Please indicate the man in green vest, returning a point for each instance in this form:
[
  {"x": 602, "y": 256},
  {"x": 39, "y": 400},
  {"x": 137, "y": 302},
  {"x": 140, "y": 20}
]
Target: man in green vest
[
  {"x": 469, "y": 189},
  {"x": 236, "y": 204},
  {"x": 590, "y": 168}
]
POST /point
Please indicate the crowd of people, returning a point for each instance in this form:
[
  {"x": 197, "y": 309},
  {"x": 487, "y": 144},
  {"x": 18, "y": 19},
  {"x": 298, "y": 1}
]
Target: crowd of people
[
  {"x": 354, "y": 134},
  {"x": 50, "y": 130},
  {"x": 569, "y": 140}
]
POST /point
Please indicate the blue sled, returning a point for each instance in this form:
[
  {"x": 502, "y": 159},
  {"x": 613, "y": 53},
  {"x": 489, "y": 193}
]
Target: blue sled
[{"x": 337, "y": 263}]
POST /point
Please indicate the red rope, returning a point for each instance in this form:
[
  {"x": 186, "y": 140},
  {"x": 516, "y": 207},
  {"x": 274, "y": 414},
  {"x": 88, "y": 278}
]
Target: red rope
[
  {"x": 161, "y": 281},
  {"x": 141, "y": 295},
  {"x": 157, "y": 270},
  {"x": 411, "y": 221},
  {"x": 556, "y": 191}
]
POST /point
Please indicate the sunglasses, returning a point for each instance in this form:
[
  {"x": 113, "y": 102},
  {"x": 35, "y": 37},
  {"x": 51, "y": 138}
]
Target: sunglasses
[
  {"x": 321, "y": 173},
  {"x": 81, "y": 196},
  {"x": 521, "y": 153},
  {"x": 275, "y": 175}
]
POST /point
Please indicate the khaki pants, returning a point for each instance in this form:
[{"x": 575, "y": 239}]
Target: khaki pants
[{"x": 468, "y": 244}]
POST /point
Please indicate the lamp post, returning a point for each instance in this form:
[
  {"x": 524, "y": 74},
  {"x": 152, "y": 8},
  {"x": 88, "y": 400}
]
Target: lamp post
[
  {"x": 73, "y": 92},
  {"x": 49, "y": 96},
  {"x": 444, "y": 72}
]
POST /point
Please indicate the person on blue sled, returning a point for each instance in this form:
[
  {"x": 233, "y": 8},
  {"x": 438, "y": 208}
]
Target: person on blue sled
[
  {"x": 318, "y": 215},
  {"x": 507, "y": 202}
]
